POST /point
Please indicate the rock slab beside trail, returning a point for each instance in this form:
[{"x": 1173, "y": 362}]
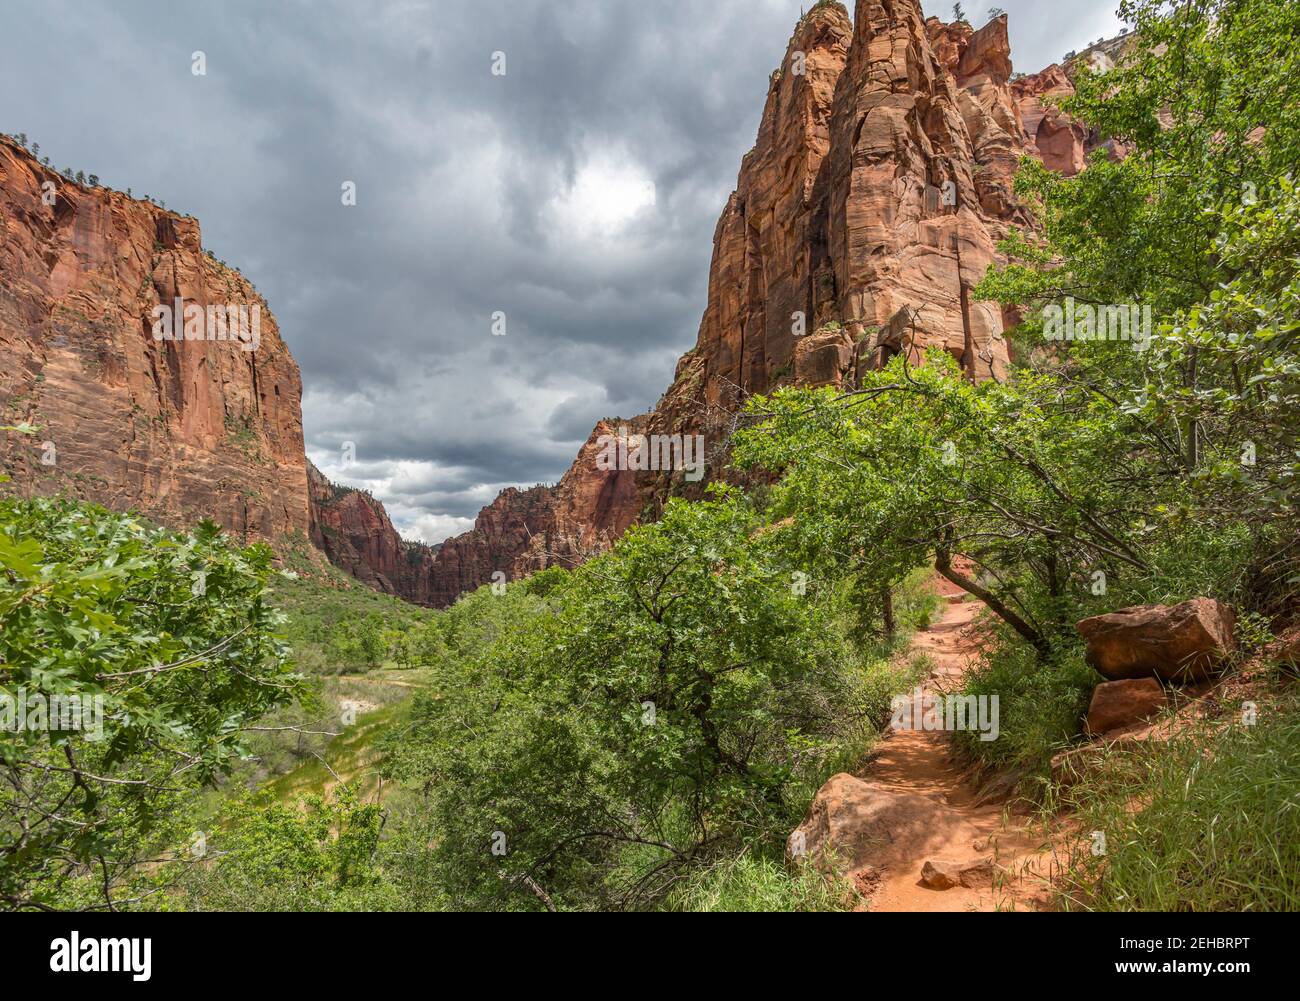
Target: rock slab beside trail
[
  {"x": 1175, "y": 643},
  {"x": 1122, "y": 703},
  {"x": 854, "y": 825}
]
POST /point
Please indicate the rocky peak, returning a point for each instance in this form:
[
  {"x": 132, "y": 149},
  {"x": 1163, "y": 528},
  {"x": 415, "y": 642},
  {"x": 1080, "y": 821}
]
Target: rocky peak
[
  {"x": 870, "y": 205},
  {"x": 524, "y": 531}
]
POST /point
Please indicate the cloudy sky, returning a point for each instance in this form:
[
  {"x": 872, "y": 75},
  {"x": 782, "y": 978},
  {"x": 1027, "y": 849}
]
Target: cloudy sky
[{"x": 577, "y": 194}]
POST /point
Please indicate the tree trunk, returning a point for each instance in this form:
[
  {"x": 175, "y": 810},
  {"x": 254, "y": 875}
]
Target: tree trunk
[{"x": 943, "y": 563}]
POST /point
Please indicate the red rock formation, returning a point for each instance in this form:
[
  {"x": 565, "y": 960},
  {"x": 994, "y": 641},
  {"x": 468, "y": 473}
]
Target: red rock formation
[
  {"x": 769, "y": 247},
  {"x": 180, "y": 430},
  {"x": 938, "y": 874},
  {"x": 524, "y": 531},
  {"x": 870, "y": 205},
  {"x": 1059, "y": 141},
  {"x": 901, "y": 130},
  {"x": 1117, "y": 704},
  {"x": 1175, "y": 643},
  {"x": 980, "y": 63},
  {"x": 1062, "y": 143},
  {"x": 354, "y": 531}
]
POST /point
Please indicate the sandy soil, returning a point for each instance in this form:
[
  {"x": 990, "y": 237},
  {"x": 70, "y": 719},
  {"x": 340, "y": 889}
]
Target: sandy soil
[{"x": 959, "y": 829}]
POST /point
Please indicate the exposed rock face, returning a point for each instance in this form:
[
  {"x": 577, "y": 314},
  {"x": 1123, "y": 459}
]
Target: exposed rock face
[
  {"x": 841, "y": 220},
  {"x": 1062, "y": 143},
  {"x": 1177, "y": 643},
  {"x": 870, "y": 205},
  {"x": 1059, "y": 141},
  {"x": 902, "y": 136},
  {"x": 770, "y": 258},
  {"x": 524, "y": 531},
  {"x": 980, "y": 62},
  {"x": 1118, "y": 704},
  {"x": 353, "y": 530},
  {"x": 180, "y": 430}
]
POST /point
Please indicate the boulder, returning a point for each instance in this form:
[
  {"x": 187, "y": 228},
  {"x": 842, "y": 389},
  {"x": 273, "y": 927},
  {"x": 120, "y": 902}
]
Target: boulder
[
  {"x": 853, "y": 826},
  {"x": 940, "y": 875},
  {"x": 1177, "y": 643},
  {"x": 1118, "y": 704}
]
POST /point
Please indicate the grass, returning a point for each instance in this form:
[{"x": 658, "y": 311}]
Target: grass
[
  {"x": 1040, "y": 705},
  {"x": 286, "y": 761},
  {"x": 1209, "y": 821},
  {"x": 352, "y": 755},
  {"x": 749, "y": 883}
]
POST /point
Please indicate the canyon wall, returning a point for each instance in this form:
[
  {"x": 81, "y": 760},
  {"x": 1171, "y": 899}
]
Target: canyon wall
[
  {"x": 178, "y": 429},
  {"x": 353, "y": 530},
  {"x": 523, "y": 531},
  {"x": 870, "y": 205},
  {"x": 519, "y": 533}
]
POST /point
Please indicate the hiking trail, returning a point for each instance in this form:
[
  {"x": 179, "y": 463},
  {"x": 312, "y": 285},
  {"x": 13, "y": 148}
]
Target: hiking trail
[{"x": 961, "y": 828}]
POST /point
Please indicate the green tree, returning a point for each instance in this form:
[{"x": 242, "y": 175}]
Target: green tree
[
  {"x": 1000, "y": 486},
  {"x": 658, "y": 712},
  {"x": 167, "y": 643},
  {"x": 1197, "y": 222}
]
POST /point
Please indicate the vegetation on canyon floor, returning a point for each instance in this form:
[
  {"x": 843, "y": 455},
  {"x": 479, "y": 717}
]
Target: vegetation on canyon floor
[{"x": 644, "y": 731}]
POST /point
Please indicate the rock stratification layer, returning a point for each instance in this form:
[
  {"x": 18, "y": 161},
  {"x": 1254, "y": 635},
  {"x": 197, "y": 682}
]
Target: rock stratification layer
[{"x": 178, "y": 429}]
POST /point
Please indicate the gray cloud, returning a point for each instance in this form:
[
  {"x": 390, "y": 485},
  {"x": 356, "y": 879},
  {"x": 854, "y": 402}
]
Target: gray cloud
[{"x": 578, "y": 194}]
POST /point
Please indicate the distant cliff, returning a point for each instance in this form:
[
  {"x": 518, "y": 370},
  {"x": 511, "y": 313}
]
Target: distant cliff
[
  {"x": 353, "y": 530},
  {"x": 178, "y": 429}
]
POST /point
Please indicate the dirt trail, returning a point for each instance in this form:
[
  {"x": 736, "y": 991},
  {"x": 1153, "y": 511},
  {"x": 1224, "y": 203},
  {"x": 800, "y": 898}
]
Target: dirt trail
[{"x": 959, "y": 829}]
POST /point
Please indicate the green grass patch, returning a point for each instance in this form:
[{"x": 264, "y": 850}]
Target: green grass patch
[
  {"x": 1040, "y": 705},
  {"x": 749, "y": 883},
  {"x": 1209, "y": 821}
]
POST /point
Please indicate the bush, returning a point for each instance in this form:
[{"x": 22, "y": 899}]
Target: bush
[
  {"x": 1040, "y": 704},
  {"x": 316, "y": 854},
  {"x": 668, "y": 704},
  {"x": 174, "y": 634}
]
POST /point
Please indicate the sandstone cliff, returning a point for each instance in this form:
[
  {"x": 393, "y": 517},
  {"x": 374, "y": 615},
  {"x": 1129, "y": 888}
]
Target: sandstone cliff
[
  {"x": 519, "y": 533},
  {"x": 354, "y": 531},
  {"x": 178, "y": 429},
  {"x": 870, "y": 205},
  {"x": 523, "y": 531},
  {"x": 1059, "y": 141}
]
